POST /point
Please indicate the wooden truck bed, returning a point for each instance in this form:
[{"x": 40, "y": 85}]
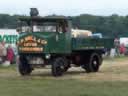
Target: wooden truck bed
[{"x": 92, "y": 43}]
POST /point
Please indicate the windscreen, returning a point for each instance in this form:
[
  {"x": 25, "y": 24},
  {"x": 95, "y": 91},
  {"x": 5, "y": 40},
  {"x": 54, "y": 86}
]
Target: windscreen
[{"x": 43, "y": 27}]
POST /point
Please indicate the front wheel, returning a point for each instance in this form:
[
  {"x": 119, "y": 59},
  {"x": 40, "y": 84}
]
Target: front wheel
[{"x": 23, "y": 67}]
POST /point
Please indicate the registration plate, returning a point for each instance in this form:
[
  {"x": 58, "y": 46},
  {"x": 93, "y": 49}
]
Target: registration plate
[{"x": 36, "y": 61}]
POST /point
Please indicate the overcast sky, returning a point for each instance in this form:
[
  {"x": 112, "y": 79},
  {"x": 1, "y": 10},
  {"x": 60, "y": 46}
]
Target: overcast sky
[{"x": 65, "y": 7}]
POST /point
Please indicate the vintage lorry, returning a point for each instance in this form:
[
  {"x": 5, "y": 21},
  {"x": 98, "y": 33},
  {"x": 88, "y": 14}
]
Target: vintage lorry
[{"x": 49, "y": 41}]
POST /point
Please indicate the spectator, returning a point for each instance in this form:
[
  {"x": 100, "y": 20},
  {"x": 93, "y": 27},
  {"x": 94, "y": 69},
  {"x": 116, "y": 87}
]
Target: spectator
[
  {"x": 122, "y": 49},
  {"x": 3, "y": 52},
  {"x": 10, "y": 54},
  {"x": 117, "y": 46}
]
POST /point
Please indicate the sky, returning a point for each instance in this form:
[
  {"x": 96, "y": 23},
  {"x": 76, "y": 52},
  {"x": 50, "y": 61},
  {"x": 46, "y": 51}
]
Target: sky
[{"x": 65, "y": 7}]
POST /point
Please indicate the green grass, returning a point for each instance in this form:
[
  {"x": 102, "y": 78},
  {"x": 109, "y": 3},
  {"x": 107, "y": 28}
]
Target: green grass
[
  {"x": 54, "y": 87},
  {"x": 115, "y": 58},
  {"x": 12, "y": 84}
]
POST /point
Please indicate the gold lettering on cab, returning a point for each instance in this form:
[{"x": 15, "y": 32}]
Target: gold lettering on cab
[
  {"x": 31, "y": 44},
  {"x": 31, "y": 49},
  {"x": 29, "y": 38},
  {"x": 31, "y": 41}
]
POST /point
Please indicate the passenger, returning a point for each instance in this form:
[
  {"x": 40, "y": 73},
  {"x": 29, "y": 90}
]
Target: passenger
[{"x": 10, "y": 54}]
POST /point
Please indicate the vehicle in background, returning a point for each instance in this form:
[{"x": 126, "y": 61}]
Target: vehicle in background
[
  {"x": 124, "y": 42},
  {"x": 9, "y": 38}
]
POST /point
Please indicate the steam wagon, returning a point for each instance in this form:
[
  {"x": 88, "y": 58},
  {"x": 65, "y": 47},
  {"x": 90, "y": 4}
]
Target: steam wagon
[{"x": 50, "y": 41}]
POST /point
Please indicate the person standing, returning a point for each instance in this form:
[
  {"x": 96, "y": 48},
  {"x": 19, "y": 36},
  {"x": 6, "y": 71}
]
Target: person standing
[
  {"x": 3, "y": 52},
  {"x": 10, "y": 54},
  {"x": 117, "y": 46},
  {"x": 122, "y": 49}
]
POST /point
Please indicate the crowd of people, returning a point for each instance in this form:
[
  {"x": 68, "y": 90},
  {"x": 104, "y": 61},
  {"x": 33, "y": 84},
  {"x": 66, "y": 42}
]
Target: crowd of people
[
  {"x": 120, "y": 48},
  {"x": 6, "y": 53}
]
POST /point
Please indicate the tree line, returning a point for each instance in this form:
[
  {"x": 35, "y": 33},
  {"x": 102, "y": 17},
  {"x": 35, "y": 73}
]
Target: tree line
[{"x": 112, "y": 26}]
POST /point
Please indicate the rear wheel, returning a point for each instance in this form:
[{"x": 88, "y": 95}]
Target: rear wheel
[
  {"x": 92, "y": 63},
  {"x": 23, "y": 66}
]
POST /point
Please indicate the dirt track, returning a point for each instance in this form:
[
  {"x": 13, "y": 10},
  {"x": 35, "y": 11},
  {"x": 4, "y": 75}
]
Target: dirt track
[{"x": 111, "y": 70}]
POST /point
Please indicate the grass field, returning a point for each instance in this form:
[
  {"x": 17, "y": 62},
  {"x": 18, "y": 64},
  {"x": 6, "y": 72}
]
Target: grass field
[{"x": 111, "y": 80}]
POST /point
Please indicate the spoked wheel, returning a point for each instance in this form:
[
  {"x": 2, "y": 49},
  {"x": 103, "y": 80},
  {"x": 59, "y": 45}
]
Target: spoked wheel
[
  {"x": 23, "y": 66},
  {"x": 93, "y": 63},
  {"x": 59, "y": 66}
]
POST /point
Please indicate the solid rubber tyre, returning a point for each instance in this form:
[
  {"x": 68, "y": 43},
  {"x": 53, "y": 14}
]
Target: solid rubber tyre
[
  {"x": 58, "y": 67},
  {"x": 23, "y": 67},
  {"x": 92, "y": 62}
]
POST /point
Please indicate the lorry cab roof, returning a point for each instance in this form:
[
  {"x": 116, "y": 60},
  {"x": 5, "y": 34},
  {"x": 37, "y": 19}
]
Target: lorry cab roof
[{"x": 46, "y": 18}]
